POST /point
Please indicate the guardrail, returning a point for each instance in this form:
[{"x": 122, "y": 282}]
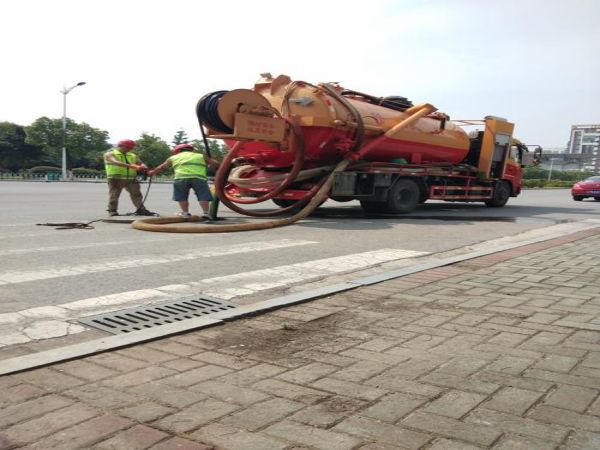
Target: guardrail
[{"x": 51, "y": 177}]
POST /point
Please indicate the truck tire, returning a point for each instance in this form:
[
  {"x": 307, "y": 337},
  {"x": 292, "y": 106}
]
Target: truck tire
[
  {"x": 501, "y": 195},
  {"x": 403, "y": 196}
]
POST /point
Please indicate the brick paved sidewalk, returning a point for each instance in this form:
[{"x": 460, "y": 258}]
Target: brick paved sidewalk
[{"x": 497, "y": 352}]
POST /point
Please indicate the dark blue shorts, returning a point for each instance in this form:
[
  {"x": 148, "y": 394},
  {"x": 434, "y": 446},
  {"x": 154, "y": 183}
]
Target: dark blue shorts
[{"x": 181, "y": 189}]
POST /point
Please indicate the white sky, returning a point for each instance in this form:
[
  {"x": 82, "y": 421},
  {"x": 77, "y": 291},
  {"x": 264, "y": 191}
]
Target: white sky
[{"x": 146, "y": 63}]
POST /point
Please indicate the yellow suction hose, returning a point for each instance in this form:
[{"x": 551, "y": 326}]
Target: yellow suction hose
[{"x": 161, "y": 224}]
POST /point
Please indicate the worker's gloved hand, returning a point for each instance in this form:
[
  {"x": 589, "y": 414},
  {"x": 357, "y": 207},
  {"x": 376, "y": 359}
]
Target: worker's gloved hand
[
  {"x": 151, "y": 172},
  {"x": 135, "y": 167}
]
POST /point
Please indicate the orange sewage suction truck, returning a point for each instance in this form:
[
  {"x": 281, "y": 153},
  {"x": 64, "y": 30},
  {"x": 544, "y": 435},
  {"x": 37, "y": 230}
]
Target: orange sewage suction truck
[{"x": 285, "y": 138}]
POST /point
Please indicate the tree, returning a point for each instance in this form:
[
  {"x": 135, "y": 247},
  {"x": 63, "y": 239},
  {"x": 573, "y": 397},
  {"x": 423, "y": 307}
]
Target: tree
[
  {"x": 180, "y": 138},
  {"x": 152, "y": 149},
  {"x": 15, "y": 153},
  {"x": 216, "y": 149},
  {"x": 84, "y": 143}
]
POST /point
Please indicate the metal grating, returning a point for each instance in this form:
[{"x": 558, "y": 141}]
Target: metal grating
[{"x": 140, "y": 318}]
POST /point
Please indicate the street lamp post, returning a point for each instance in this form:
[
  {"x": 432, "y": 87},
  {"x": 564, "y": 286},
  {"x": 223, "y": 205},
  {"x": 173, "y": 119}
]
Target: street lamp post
[
  {"x": 551, "y": 166},
  {"x": 64, "y": 92}
]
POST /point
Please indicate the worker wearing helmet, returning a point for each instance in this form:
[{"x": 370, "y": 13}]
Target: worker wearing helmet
[
  {"x": 190, "y": 173},
  {"x": 121, "y": 166}
]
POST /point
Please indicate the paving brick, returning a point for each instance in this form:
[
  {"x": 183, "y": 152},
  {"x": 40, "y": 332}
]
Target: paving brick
[
  {"x": 559, "y": 416},
  {"x": 450, "y": 444},
  {"x": 33, "y": 430},
  {"x": 291, "y": 391},
  {"x": 556, "y": 363},
  {"x": 400, "y": 384},
  {"x": 101, "y": 396},
  {"x": 138, "y": 377},
  {"x": 262, "y": 414},
  {"x": 447, "y": 427},
  {"x": 509, "y": 423},
  {"x": 314, "y": 437},
  {"x": 118, "y": 362},
  {"x": 139, "y": 437},
  {"x": 348, "y": 389},
  {"x": 563, "y": 378},
  {"x": 459, "y": 383},
  {"x": 510, "y": 365},
  {"x": 574, "y": 398},
  {"x": 366, "y": 355},
  {"x": 229, "y": 393},
  {"x": 194, "y": 376},
  {"x": 50, "y": 380},
  {"x": 510, "y": 380},
  {"x": 13, "y": 414},
  {"x": 195, "y": 416},
  {"x": 382, "y": 432},
  {"x": 220, "y": 359},
  {"x": 178, "y": 443},
  {"x": 360, "y": 371},
  {"x": 463, "y": 366},
  {"x": 146, "y": 353},
  {"x": 146, "y": 411},
  {"x": 168, "y": 395},
  {"x": 251, "y": 375},
  {"x": 393, "y": 407},
  {"x": 224, "y": 436},
  {"x": 308, "y": 373},
  {"x": 182, "y": 364},
  {"x": 512, "y": 442},
  {"x": 174, "y": 347},
  {"x": 86, "y": 370},
  {"x": 328, "y": 412},
  {"x": 583, "y": 440},
  {"x": 513, "y": 400},
  {"x": 454, "y": 404},
  {"x": 84, "y": 434}
]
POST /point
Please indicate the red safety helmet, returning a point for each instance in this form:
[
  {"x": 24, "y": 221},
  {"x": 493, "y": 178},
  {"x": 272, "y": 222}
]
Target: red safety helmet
[
  {"x": 126, "y": 143},
  {"x": 182, "y": 148}
]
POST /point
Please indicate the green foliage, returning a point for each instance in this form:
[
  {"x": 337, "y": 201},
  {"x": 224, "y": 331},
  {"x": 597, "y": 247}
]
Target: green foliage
[
  {"x": 180, "y": 138},
  {"x": 152, "y": 150},
  {"x": 86, "y": 171},
  {"x": 543, "y": 183},
  {"x": 15, "y": 153},
  {"x": 45, "y": 169},
  {"x": 216, "y": 149},
  {"x": 83, "y": 142}
]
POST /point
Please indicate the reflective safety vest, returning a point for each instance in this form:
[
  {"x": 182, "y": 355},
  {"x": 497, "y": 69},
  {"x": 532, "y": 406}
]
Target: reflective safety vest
[
  {"x": 188, "y": 165},
  {"x": 123, "y": 173}
]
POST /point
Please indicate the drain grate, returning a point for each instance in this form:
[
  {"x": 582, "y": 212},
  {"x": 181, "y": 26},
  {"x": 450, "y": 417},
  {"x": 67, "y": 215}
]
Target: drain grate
[{"x": 135, "y": 319}]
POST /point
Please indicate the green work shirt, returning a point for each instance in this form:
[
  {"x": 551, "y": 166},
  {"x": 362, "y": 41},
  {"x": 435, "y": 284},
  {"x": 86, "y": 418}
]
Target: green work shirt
[
  {"x": 123, "y": 173},
  {"x": 188, "y": 165}
]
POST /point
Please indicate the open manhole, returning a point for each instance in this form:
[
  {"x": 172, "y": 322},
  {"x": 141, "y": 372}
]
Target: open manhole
[{"x": 140, "y": 318}]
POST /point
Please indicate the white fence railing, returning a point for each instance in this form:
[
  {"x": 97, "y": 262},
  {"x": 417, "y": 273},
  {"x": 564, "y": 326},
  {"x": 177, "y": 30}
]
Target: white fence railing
[{"x": 54, "y": 176}]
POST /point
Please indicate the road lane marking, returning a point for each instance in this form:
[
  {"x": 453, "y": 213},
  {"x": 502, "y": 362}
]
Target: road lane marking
[
  {"x": 14, "y": 277},
  {"x": 52, "y": 321}
]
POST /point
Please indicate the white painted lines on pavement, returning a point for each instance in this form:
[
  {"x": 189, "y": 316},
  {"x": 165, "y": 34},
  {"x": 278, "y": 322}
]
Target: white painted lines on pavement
[
  {"x": 52, "y": 321},
  {"x": 13, "y": 277}
]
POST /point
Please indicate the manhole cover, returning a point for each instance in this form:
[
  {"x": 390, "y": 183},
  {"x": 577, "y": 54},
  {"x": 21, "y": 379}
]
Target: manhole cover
[{"x": 135, "y": 319}]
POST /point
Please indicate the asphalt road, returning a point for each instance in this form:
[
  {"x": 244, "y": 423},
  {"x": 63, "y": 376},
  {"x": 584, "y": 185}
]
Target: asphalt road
[{"x": 114, "y": 265}]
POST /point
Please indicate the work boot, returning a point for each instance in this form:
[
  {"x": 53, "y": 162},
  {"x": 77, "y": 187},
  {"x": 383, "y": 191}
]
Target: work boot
[
  {"x": 112, "y": 213},
  {"x": 208, "y": 217},
  {"x": 144, "y": 212}
]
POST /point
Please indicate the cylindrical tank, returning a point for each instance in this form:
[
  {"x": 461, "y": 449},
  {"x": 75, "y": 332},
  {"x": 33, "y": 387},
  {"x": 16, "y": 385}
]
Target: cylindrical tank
[{"x": 326, "y": 122}]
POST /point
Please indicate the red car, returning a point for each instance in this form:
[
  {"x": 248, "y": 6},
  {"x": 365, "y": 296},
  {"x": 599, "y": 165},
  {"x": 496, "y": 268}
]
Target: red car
[{"x": 590, "y": 187}]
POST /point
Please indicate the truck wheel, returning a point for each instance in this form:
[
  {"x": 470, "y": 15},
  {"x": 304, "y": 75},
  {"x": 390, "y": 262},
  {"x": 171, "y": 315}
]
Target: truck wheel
[
  {"x": 373, "y": 207},
  {"x": 577, "y": 198},
  {"x": 501, "y": 195},
  {"x": 403, "y": 196}
]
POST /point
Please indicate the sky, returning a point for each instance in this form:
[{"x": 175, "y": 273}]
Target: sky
[{"x": 146, "y": 63}]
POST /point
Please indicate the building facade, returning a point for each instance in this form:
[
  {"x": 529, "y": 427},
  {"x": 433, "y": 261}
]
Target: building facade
[{"x": 585, "y": 141}]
